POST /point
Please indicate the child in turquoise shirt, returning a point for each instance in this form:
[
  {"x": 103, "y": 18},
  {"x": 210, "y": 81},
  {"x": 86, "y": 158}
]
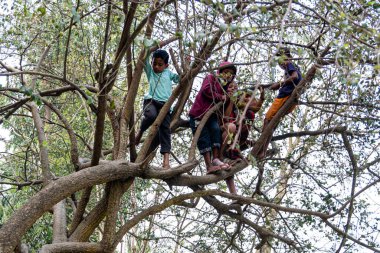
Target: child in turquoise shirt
[{"x": 160, "y": 89}]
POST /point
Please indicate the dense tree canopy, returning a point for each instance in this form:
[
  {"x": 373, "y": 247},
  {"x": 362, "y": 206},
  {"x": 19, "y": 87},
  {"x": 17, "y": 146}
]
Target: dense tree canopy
[{"x": 72, "y": 85}]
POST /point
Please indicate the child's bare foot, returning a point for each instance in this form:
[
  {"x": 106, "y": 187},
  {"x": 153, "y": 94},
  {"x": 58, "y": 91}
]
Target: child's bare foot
[
  {"x": 213, "y": 169},
  {"x": 223, "y": 166}
]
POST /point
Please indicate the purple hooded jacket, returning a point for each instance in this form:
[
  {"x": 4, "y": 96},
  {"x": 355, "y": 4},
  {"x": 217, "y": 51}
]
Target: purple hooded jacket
[{"x": 210, "y": 93}]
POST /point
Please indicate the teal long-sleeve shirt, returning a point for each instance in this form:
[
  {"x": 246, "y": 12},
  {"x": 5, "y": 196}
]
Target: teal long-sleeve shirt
[{"x": 160, "y": 84}]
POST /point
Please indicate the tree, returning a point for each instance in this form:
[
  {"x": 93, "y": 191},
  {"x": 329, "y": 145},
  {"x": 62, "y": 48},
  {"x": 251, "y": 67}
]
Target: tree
[{"x": 74, "y": 181}]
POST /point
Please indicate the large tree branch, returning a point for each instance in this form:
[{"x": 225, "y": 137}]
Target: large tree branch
[
  {"x": 99, "y": 125},
  {"x": 190, "y": 180},
  {"x": 84, "y": 230},
  {"x": 72, "y": 247},
  {"x": 114, "y": 192},
  {"x": 55, "y": 191}
]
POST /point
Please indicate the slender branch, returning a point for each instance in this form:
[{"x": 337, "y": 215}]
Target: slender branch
[
  {"x": 83, "y": 94},
  {"x": 337, "y": 129},
  {"x": 201, "y": 125},
  {"x": 342, "y": 233},
  {"x": 156, "y": 209},
  {"x": 22, "y": 184},
  {"x": 374, "y": 106},
  {"x": 354, "y": 177}
]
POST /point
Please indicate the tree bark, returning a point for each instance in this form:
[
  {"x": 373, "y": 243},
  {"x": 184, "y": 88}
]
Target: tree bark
[{"x": 12, "y": 231}]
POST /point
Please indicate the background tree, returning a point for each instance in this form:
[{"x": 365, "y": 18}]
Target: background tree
[{"x": 72, "y": 84}]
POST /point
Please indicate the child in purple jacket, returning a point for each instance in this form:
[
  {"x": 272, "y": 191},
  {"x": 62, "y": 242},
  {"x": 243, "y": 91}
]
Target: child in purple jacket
[{"x": 209, "y": 141}]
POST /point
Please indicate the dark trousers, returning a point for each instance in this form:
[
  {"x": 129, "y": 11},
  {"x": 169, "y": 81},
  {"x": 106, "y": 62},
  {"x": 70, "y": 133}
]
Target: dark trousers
[
  {"x": 211, "y": 135},
  {"x": 151, "y": 110}
]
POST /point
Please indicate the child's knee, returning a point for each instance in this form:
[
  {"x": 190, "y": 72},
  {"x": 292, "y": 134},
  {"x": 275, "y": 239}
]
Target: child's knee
[
  {"x": 270, "y": 114},
  {"x": 150, "y": 114},
  {"x": 215, "y": 128},
  {"x": 231, "y": 128}
]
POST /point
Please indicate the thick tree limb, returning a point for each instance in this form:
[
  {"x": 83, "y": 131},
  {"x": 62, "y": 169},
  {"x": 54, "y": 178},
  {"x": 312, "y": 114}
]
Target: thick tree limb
[
  {"x": 72, "y": 247},
  {"x": 55, "y": 191},
  {"x": 84, "y": 230}
]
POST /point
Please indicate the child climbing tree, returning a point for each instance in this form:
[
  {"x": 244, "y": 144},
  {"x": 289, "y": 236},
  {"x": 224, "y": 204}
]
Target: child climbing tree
[{"x": 72, "y": 179}]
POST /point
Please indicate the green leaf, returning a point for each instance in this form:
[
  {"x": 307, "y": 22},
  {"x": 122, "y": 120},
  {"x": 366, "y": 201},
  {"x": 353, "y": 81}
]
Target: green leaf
[
  {"x": 25, "y": 10},
  {"x": 200, "y": 36},
  {"x": 27, "y": 91},
  {"x": 233, "y": 28},
  {"x": 76, "y": 15},
  {"x": 112, "y": 105},
  {"x": 41, "y": 11},
  {"x": 223, "y": 27},
  {"x": 148, "y": 43},
  {"x": 179, "y": 35},
  {"x": 207, "y": 2},
  {"x": 89, "y": 100}
]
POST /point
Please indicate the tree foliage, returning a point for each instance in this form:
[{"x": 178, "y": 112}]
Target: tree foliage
[{"x": 73, "y": 179}]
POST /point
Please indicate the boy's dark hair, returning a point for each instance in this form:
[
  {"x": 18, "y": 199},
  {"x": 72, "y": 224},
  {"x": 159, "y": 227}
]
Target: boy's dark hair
[
  {"x": 161, "y": 54},
  {"x": 283, "y": 51}
]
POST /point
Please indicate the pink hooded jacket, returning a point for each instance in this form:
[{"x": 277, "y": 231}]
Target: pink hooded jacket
[{"x": 210, "y": 93}]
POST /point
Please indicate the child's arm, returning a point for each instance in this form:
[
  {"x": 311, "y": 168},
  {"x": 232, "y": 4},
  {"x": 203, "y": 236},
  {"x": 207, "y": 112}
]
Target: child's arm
[
  {"x": 174, "y": 77},
  {"x": 147, "y": 66},
  {"x": 255, "y": 105},
  {"x": 275, "y": 86},
  {"x": 292, "y": 72},
  {"x": 290, "y": 80}
]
